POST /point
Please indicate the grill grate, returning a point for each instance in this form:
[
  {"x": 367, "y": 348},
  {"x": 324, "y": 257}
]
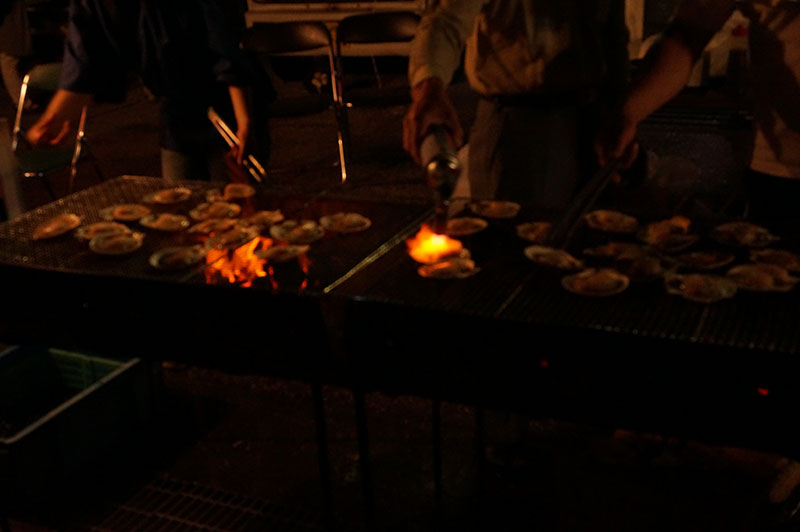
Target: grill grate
[{"x": 176, "y": 505}]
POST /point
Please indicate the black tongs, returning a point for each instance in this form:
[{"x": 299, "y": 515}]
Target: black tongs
[
  {"x": 566, "y": 223},
  {"x": 250, "y": 162}
]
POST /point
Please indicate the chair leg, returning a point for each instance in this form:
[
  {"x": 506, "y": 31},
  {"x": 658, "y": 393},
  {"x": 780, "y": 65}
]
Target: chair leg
[
  {"x": 375, "y": 71},
  {"x": 340, "y": 109}
]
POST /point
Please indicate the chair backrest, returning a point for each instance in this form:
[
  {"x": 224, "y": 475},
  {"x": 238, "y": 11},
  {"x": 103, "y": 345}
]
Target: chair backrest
[
  {"x": 369, "y": 28},
  {"x": 286, "y": 37},
  {"x": 42, "y": 78}
]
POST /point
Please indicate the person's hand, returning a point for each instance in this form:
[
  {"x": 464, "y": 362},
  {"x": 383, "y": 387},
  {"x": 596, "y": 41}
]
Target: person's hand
[
  {"x": 430, "y": 106},
  {"x": 616, "y": 139},
  {"x": 48, "y": 131},
  {"x": 245, "y": 143}
]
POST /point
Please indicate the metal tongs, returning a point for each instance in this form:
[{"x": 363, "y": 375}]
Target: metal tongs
[
  {"x": 566, "y": 223},
  {"x": 442, "y": 169},
  {"x": 250, "y": 162}
]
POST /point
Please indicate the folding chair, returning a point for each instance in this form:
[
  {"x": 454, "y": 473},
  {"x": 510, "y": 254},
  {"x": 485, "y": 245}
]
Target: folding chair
[
  {"x": 40, "y": 162},
  {"x": 375, "y": 34},
  {"x": 296, "y": 38}
]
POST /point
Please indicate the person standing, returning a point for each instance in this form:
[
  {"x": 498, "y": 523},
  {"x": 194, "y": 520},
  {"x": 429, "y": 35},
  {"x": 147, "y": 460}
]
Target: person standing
[
  {"x": 15, "y": 44},
  {"x": 189, "y": 59},
  {"x": 544, "y": 72},
  {"x": 772, "y": 181}
]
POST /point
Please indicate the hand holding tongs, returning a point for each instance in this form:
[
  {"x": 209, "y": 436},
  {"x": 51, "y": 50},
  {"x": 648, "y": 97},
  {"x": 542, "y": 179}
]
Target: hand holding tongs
[{"x": 250, "y": 162}]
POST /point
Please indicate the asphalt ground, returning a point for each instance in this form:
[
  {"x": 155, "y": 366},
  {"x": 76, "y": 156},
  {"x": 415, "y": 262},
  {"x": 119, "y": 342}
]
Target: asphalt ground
[{"x": 249, "y": 441}]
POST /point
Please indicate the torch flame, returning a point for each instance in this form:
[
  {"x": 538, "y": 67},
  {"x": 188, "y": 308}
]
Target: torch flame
[{"x": 428, "y": 247}]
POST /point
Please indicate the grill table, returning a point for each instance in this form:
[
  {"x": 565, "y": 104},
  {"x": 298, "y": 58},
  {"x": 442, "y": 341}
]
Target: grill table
[{"x": 510, "y": 337}]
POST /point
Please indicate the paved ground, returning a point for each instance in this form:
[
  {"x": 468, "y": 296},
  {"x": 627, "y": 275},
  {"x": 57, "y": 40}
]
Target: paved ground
[{"x": 218, "y": 435}]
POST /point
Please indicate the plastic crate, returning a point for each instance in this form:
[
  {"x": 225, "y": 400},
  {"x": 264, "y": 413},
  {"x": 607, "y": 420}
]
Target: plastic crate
[{"x": 65, "y": 417}]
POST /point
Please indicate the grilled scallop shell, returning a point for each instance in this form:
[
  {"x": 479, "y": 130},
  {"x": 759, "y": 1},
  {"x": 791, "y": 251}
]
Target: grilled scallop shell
[
  {"x": 465, "y": 225},
  {"x": 213, "y": 225},
  {"x": 779, "y": 257},
  {"x": 56, "y": 226},
  {"x": 263, "y": 218},
  {"x": 535, "y": 232},
  {"x": 553, "y": 258},
  {"x": 495, "y": 208},
  {"x": 743, "y": 234},
  {"x": 762, "y": 278},
  {"x": 87, "y": 232},
  {"x": 705, "y": 260},
  {"x": 216, "y": 209},
  {"x": 611, "y": 221},
  {"x": 345, "y": 222},
  {"x": 126, "y": 212},
  {"x": 282, "y": 253},
  {"x": 234, "y": 191},
  {"x": 232, "y": 238},
  {"x": 297, "y": 231},
  {"x": 669, "y": 235},
  {"x": 700, "y": 287},
  {"x": 178, "y": 257},
  {"x": 165, "y": 221},
  {"x": 116, "y": 243},
  {"x": 168, "y": 196},
  {"x": 454, "y": 268},
  {"x": 596, "y": 282}
]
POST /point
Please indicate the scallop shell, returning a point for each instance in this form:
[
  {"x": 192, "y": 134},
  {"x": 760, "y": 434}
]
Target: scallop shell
[
  {"x": 282, "y": 253},
  {"x": 168, "y": 196},
  {"x": 213, "y": 225},
  {"x": 178, "y": 257},
  {"x": 263, "y": 218},
  {"x": 596, "y": 282},
  {"x": 611, "y": 221},
  {"x": 345, "y": 222},
  {"x": 116, "y": 243},
  {"x": 495, "y": 208},
  {"x": 165, "y": 221},
  {"x": 616, "y": 250},
  {"x": 297, "y": 232},
  {"x": 553, "y": 258},
  {"x": 670, "y": 235},
  {"x": 705, "y": 260},
  {"x": 56, "y": 226},
  {"x": 127, "y": 212},
  {"x": 238, "y": 191},
  {"x": 700, "y": 287},
  {"x": 87, "y": 232},
  {"x": 762, "y": 278},
  {"x": 233, "y": 238},
  {"x": 455, "y": 268},
  {"x": 465, "y": 225},
  {"x": 779, "y": 257},
  {"x": 536, "y": 232},
  {"x": 743, "y": 234},
  {"x": 217, "y": 209}
]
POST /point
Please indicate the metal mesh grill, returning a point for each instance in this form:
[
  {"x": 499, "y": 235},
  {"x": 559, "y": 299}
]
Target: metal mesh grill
[
  {"x": 331, "y": 257},
  {"x": 174, "y": 505}
]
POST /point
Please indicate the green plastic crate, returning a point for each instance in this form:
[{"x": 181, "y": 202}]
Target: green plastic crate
[{"x": 65, "y": 416}]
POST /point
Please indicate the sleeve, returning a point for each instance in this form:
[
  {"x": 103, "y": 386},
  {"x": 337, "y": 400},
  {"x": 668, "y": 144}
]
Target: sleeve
[
  {"x": 617, "y": 55},
  {"x": 696, "y": 21},
  {"x": 439, "y": 41},
  {"x": 231, "y": 66},
  {"x": 92, "y": 63}
]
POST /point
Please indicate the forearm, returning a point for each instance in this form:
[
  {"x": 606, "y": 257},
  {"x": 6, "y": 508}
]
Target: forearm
[
  {"x": 240, "y": 100},
  {"x": 62, "y": 114}
]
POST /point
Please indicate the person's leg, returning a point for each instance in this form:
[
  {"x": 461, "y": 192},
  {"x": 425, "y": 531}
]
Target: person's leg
[
  {"x": 178, "y": 166},
  {"x": 9, "y": 67}
]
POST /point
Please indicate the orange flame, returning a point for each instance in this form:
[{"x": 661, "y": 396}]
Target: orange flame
[
  {"x": 428, "y": 247},
  {"x": 240, "y": 265}
]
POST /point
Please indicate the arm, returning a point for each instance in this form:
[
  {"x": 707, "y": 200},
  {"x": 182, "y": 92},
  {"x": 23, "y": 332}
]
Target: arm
[
  {"x": 434, "y": 57},
  {"x": 62, "y": 114},
  {"x": 240, "y": 99},
  {"x": 667, "y": 71}
]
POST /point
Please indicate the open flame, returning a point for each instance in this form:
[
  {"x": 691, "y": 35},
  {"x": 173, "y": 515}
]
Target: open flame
[
  {"x": 240, "y": 265},
  {"x": 428, "y": 247}
]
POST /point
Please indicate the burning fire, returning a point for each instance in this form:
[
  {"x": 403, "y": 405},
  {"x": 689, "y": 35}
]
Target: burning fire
[
  {"x": 428, "y": 247},
  {"x": 240, "y": 265}
]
